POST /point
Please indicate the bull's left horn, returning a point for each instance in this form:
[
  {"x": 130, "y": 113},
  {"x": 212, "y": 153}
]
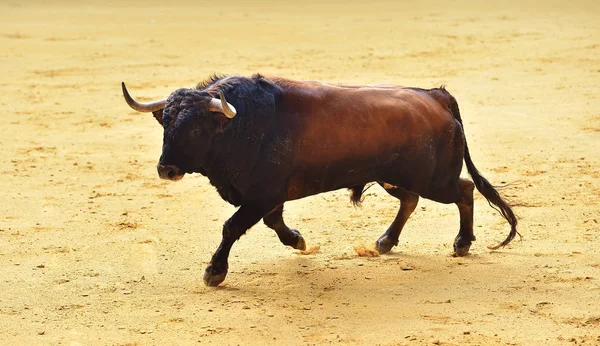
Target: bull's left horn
[
  {"x": 142, "y": 107},
  {"x": 222, "y": 106}
]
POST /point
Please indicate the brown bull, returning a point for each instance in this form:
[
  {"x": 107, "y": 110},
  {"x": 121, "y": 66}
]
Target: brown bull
[{"x": 264, "y": 141}]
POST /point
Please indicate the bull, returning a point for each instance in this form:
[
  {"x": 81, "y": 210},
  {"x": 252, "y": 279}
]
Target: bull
[{"x": 264, "y": 141}]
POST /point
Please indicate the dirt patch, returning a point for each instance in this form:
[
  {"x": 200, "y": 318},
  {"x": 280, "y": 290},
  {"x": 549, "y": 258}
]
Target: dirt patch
[{"x": 95, "y": 249}]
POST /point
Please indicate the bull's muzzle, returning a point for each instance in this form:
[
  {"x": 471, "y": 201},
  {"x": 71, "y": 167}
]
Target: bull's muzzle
[{"x": 169, "y": 172}]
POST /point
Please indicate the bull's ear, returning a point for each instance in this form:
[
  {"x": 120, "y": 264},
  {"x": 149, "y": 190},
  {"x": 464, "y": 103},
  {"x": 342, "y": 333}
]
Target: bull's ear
[
  {"x": 220, "y": 122},
  {"x": 158, "y": 115}
]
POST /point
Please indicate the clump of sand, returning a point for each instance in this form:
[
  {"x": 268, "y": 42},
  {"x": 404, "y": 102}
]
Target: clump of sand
[
  {"x": 309, "y": 251},
  {"x": 363, "y": 251}
]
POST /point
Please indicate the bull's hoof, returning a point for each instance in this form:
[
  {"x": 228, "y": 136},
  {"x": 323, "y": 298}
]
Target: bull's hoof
[
  {"x": 461, "y": 247},
  {"x": 295, "y": 240},
  {"x": 300, "y": 244},
  {"x": 461, "y": 251},
  {"x": 213, "y": 277},
  {"x": 385, "y": 244}
]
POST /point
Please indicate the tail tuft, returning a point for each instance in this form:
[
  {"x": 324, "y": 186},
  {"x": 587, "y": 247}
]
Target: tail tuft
[{"x": 356, "y": 195}]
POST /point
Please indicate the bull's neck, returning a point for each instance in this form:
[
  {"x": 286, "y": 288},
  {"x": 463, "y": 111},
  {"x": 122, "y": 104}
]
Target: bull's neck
[{"x": 230, "y": 161}]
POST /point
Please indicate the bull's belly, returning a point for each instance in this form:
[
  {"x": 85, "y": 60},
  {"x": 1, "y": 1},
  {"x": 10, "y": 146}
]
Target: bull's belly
[{"x": 308, "y": 182}]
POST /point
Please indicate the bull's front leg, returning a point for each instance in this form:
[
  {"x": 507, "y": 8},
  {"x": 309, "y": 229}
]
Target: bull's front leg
[
  {"x": 288, "y": 236},
  {"x": 244, "y": 218}
]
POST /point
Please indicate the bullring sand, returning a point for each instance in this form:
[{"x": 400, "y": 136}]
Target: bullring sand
[{"x": 95, "y": 249}]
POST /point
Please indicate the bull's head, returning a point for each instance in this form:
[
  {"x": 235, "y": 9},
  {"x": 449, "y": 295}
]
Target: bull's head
[{"x": 190, "y": 119}]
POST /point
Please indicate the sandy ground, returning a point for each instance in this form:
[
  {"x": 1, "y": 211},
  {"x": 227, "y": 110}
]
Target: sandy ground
[{"x": 95, "y": 249}]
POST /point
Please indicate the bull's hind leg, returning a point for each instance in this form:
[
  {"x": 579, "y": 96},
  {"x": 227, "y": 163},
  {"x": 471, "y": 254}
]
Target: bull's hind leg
[
  {"x": 408, "y": 203},
  {"x": 462, "y": 242},
  {"x": 460, "y": 193},
  {"x": 288, "y": 236}
]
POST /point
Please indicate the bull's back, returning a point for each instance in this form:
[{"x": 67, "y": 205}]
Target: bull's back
[{"x": 347, "y": 136}]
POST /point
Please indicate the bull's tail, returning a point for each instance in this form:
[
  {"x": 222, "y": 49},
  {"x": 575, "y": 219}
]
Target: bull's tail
[{"x": 484, "y": 186}]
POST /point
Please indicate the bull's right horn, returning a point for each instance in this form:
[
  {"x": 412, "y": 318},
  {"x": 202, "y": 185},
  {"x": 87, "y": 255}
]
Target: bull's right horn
[
  {"x": 142, "y": 107},
  {"x": 222, "y": 106}
]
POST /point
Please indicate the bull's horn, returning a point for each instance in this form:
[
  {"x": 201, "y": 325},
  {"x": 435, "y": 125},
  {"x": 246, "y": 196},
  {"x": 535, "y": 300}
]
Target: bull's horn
[
  {"x": 222, "y": 106},
  {"x": 142, "y": 107}
]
